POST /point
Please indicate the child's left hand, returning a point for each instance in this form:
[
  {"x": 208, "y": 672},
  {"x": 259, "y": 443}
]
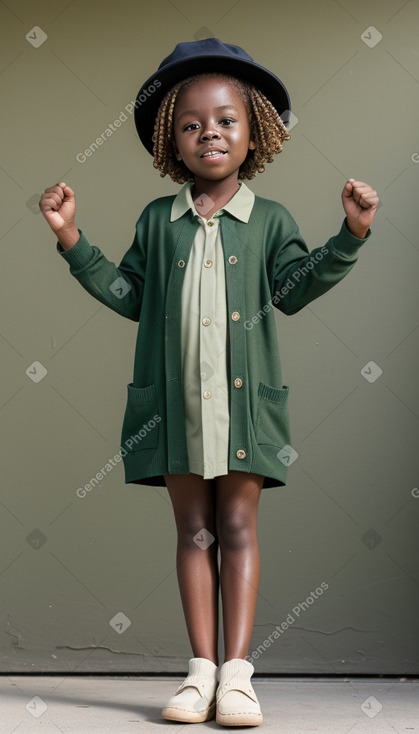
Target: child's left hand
[{"x": 360, "y": 203}]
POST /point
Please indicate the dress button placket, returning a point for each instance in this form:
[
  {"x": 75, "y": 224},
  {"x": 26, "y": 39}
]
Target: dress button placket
[{"x": 208, "y": 339}]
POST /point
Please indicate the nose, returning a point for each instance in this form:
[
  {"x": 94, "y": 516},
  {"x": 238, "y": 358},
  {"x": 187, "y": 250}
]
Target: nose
[{"x": 209, "y": 133}]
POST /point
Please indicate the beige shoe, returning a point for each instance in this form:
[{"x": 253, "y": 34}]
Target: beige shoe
[
  {"x": 194, "y": 700},
  {"x": 237, "y": 704}
]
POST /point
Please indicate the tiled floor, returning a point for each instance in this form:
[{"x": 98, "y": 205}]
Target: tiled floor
[{"x": 82, "y": 705}]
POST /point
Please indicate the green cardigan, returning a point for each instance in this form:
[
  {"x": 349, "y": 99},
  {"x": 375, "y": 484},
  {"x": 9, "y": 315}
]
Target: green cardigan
[{"x": 267, "y": 266}]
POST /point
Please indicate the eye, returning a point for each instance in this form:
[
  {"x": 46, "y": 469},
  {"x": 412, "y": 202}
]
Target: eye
[
  {"x": 227, "y": 119},
  {"x": 190, "y": 125}
]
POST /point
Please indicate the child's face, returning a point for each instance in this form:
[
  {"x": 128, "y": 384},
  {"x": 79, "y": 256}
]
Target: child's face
[{"x": 211, "y": 114}]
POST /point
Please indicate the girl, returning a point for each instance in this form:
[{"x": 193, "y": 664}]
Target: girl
[{"x": 206, "y": 413}]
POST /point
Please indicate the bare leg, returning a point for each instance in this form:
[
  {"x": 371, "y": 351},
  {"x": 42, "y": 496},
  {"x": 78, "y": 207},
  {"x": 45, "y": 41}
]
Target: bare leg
[
  {"x": 237, "y": 502},
  {"x": 193, "y": 500}
]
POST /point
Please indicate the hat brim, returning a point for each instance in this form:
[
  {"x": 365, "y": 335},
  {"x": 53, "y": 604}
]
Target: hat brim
[{"x": 151, "y": 94}]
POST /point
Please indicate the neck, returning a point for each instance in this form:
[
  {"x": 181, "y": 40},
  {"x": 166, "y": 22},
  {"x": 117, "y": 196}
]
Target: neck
[{"x": 222, "y": 190}]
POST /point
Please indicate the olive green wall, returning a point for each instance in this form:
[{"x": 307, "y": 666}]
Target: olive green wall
[{"x": 89, "y": 583}]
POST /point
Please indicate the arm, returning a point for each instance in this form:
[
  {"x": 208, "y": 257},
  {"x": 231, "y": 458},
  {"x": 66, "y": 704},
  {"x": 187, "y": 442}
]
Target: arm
[
  {"x": 120, "y": 288},
  {"x": 299, "y": 276}
]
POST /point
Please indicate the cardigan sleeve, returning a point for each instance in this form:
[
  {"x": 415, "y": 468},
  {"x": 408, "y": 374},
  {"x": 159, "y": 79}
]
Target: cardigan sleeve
[
  {"x": 118, "y": 287},
  {"x": 298, "y": 276}
]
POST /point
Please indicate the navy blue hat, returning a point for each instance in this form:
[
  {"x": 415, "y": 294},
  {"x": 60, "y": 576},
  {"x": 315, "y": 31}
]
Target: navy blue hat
[{"x": 198, "y": 57}]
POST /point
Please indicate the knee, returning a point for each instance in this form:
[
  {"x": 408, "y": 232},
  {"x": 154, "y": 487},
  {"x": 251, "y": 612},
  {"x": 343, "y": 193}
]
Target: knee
[
  {"x": 234, "y": 531},
  {"x": 195, "y": 533}
]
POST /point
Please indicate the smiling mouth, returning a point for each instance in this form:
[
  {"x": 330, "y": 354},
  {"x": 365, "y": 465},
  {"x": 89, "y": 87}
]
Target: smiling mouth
[{"x": 213, "y": 153}]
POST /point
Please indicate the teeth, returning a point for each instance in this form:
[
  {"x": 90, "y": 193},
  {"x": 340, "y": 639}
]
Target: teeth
[{"x": 214, "y": 152}]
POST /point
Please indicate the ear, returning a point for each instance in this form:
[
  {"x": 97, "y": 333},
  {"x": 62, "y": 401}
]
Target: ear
[
  {"x": 176, "y": 153},
  {"x": 252, "y": 145}
]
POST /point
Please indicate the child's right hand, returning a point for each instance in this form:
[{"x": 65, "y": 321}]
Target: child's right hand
[{"x": 58, "y": 205}]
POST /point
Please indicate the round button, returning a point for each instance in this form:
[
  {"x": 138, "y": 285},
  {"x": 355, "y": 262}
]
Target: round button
[
  {"x": 235, "y": 315},
  {"x": 238, "y": 382},
  {"x": 207, "y": 394},
  {"x": 208, "y": 263},
  {"x": 232, "y": 259},
  {"x": 181, "y": 264},
  {"x": 206, "y": 320},
  {"x": 210, "y": 224},
  {"x": 241, "y": 454}
]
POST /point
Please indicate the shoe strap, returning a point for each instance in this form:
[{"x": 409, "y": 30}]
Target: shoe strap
[
  {"x": 200, "y": 677},
  {"x": 233, "y": 685},
  {"x": 195, "y": 681},
  {"x": 238, "y": 680}
]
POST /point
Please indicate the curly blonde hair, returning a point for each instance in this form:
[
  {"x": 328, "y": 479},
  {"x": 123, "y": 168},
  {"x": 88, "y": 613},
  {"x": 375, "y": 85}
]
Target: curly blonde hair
[{"x": 266, "y": 129}]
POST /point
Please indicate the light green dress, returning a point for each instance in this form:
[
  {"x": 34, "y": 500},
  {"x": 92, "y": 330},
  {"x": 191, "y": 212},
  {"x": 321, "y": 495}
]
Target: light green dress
[{"x": 204, "y": 333}]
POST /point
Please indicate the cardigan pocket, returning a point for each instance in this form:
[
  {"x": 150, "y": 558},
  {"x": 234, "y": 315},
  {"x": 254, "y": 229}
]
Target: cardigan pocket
[
  {"x": 140, "y": 429},
  {"x": 272, "y": 420}
]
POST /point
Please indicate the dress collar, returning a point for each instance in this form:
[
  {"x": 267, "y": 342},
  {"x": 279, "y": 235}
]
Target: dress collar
[{"x": 240, "y": 205}]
